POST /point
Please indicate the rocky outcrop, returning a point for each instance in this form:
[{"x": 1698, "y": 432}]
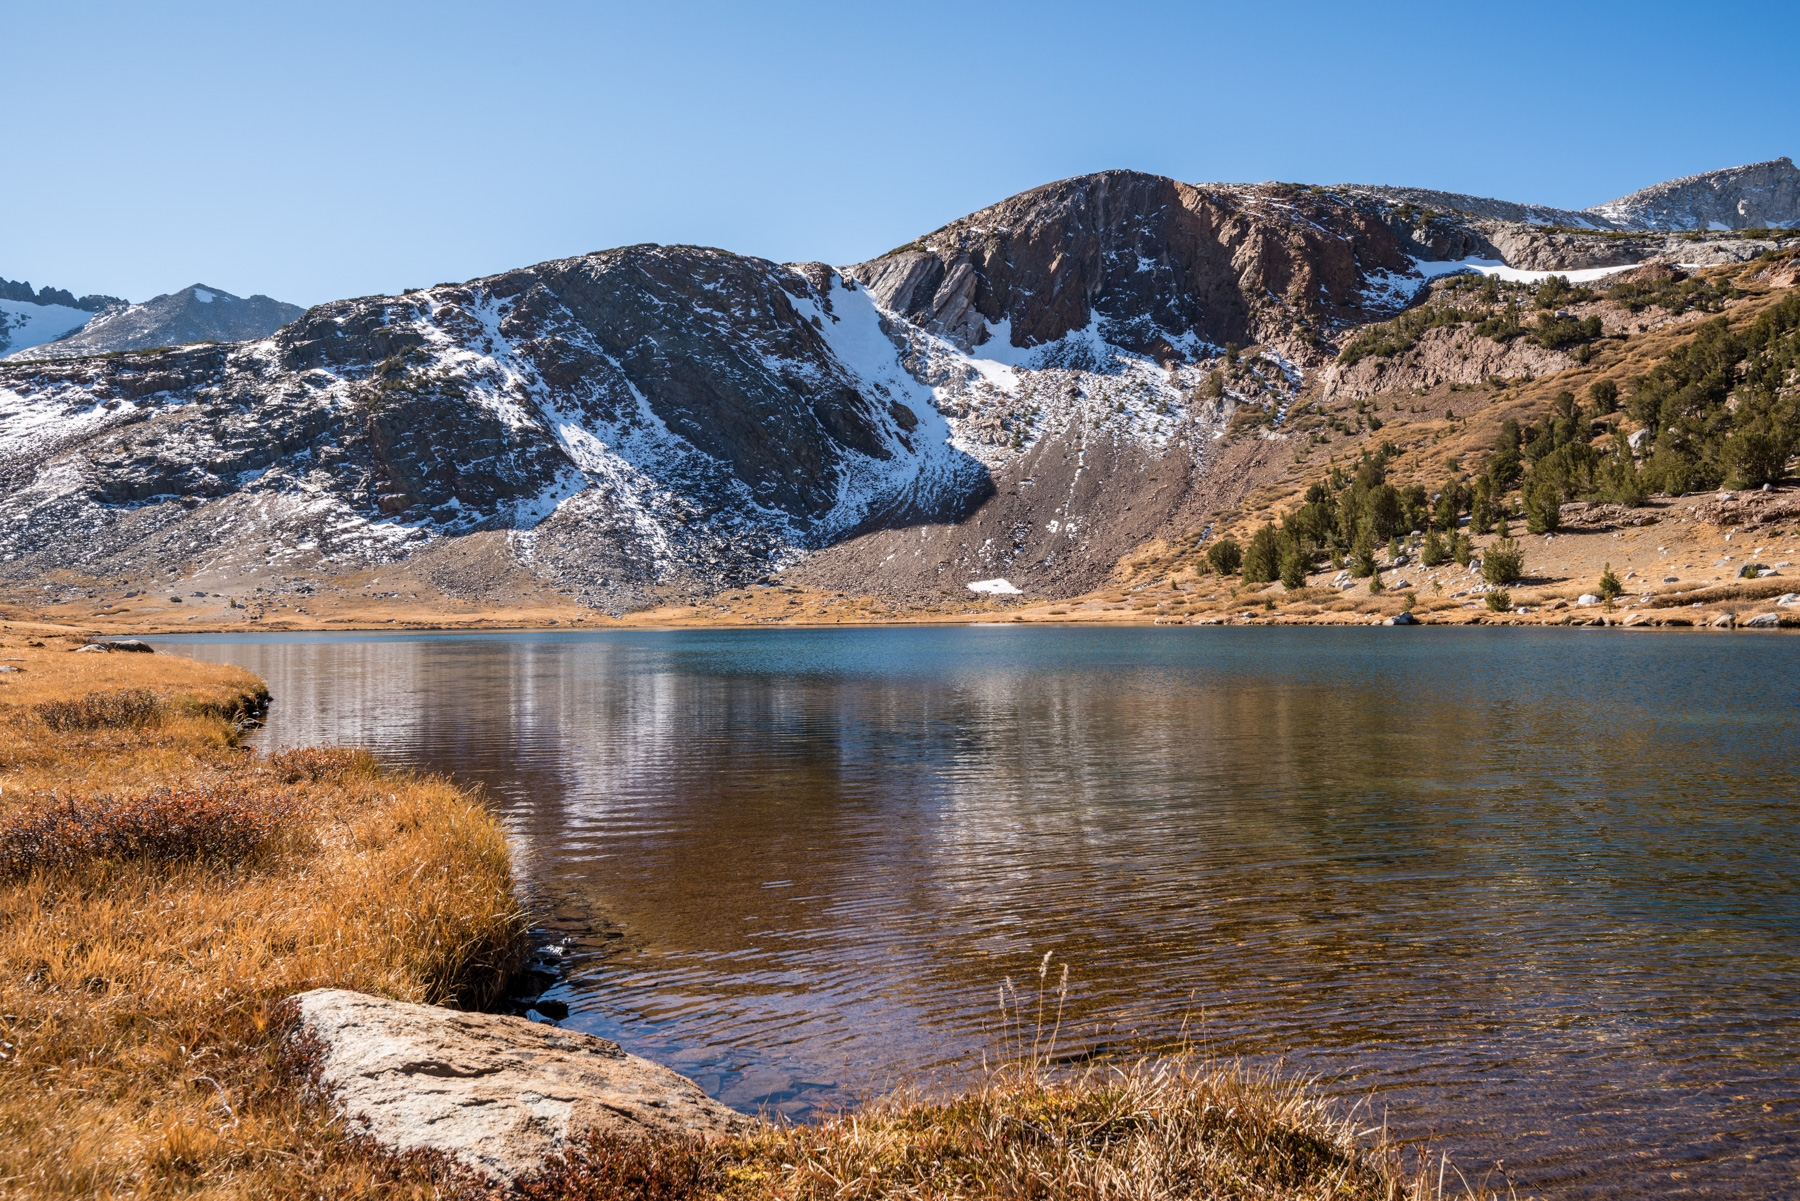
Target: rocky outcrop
[
  {"x": 1440, "y": 356},
  {"x": 1755, "y": 196},
  {"x": 195, "y": 314},
  {"x": 498, "y": 1094},
  {"x": 1428, "y": 202},
  {"x": 1159, "y": 268},
  {"x": 13, "y": 289}
]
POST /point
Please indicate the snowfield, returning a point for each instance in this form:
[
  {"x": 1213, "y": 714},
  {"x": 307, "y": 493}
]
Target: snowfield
[{"x": 24, "y": 325}]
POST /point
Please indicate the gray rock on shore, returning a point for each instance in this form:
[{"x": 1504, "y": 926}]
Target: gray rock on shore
[{"x": 497, "y": 1093}]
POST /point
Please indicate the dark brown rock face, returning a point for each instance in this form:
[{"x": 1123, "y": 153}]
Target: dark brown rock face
[{"x": 1166, "y": 266}]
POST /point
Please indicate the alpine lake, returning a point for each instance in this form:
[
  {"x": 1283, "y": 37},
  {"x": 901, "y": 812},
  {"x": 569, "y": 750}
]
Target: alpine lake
[{"x": 1528, "y": 897}]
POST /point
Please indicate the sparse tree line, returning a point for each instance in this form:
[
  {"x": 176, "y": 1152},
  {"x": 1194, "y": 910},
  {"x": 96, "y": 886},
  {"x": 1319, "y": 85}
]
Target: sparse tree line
[
  {"x": 1722, "y": 409},
  {"x": 1498, "y": 312},
  {"x": 1346, "y": 520}
]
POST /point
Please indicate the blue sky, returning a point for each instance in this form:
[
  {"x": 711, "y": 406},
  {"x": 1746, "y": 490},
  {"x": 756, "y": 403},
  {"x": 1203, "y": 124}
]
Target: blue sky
[{"x": 325, "y": 150}]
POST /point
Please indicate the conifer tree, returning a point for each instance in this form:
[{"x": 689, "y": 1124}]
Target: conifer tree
[
  {"x": 1503, "y": 562},
  {"x": 1461, "y": 549},
  {"x": 1225, "y": 556},
  {"x": 1293, "y": 569}
]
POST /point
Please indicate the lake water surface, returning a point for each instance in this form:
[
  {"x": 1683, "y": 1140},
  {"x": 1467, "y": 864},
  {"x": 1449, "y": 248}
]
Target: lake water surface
[{"x": 1534, "y": 893}]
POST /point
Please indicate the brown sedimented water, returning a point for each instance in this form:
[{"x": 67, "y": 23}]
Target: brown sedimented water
[{"x": 1534, "y": 893}]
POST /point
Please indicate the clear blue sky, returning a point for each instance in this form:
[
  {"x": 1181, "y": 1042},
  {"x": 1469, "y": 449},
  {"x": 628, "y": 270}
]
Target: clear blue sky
[{"x": 320, "y": 150}]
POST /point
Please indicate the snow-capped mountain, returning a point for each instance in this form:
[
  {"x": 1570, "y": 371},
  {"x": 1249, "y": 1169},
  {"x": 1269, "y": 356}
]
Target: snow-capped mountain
[
  {"x": 30, "y": 316},
  {"x": 195, "y": 314},
  {"x": 1030, "y": 391},
  {"x": 681, "y": 417},
  {"x": 639, "y": 415}
]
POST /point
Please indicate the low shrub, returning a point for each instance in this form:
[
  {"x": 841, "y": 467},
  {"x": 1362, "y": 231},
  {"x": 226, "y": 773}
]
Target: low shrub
[
  {"x": 131, "y": 709},
  {"x": 219, "y": 824},
  {"x": 1499, "y": 601},
  {"x": 613, "y": 1167},
  {"x": 1170, "y": 1129}
]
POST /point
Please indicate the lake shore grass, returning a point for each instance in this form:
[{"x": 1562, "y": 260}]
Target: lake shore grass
[
  {"x": 1157, "y": 1129},
  {"x": 163, "y": 889}
]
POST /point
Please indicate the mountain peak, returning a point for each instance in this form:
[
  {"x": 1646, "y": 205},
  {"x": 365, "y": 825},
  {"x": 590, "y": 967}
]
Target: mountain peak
[
  {"x": 197, "y": 313},
  {"x": 1762, "y": 195}
]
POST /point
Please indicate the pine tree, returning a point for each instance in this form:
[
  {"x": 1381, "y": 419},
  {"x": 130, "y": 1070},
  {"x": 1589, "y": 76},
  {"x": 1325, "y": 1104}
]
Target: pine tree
[
  {"x": 1262, "y": 560},
  {"x": 1225, "y": 556},
  {"x": 1609, "y": 584},
  {"x": 1481, "y": 515},
  {"x": 1503, "y": 562},
  {"x": 1543, "y": 507}
]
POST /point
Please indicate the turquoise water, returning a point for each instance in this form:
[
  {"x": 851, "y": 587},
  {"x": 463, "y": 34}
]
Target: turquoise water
[{"x": 1535, "y": 895}]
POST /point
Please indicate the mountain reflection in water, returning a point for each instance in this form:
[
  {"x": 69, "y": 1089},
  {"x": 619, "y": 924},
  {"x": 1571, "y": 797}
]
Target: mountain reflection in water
[{"x": 1538, "y": 892}]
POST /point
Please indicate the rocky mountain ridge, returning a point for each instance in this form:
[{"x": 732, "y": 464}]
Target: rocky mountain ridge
[
  {"x": 1030, "y": 391},
  {"x": 197, "y": 313},
  {"x": 20, "y": 290},
  {"x": 1755, "y": 196}
]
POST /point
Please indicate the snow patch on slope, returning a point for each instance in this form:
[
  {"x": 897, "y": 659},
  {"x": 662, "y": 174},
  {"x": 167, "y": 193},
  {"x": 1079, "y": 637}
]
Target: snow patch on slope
[
  {"x": 999, "y": 400},
  {"x": 1499, "y": 270},
  {"x": 24, "y": 325}
]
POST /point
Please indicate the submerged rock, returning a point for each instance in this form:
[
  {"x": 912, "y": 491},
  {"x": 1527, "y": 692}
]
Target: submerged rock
[{"x": 497, "y": 1093}]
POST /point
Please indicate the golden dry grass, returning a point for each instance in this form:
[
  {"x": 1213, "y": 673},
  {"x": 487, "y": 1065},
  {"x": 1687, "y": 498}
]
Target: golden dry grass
[
  {"x": 1155, "y": 1130},
  {"x": 1177, "y": 1128},
  {"x": 140, "y": 997}
]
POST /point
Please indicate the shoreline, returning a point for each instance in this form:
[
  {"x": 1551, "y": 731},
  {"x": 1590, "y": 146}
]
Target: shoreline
[
  {"x": 257, "y": 888},
  {"x": 1676, "y": 560}
]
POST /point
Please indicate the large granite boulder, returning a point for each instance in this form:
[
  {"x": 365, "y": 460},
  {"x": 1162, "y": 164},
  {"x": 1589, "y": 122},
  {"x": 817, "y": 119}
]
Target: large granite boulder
[{"x": 498, "y": 1094}]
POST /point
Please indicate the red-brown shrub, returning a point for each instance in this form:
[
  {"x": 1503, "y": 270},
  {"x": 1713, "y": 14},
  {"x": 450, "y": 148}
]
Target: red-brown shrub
[
  {"x": 224, "y": 824},
  {"x": 134, "y": 709}
]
